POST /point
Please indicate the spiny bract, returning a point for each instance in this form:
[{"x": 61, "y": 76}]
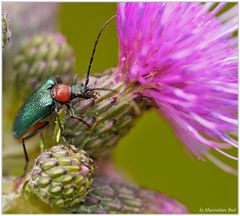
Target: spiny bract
[{"x": 61, "y": 176}]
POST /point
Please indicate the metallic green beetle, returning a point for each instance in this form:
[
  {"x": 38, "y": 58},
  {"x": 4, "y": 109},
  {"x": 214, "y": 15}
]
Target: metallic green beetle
[{"x": 49, "y": 97}]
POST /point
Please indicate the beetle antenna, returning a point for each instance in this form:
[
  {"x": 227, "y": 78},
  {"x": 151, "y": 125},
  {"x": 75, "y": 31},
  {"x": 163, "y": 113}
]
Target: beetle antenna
[{"x": 94, "y": 49}]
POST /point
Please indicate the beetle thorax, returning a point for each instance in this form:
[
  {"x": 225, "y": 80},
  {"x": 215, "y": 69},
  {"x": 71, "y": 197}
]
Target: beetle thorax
[{"x": 62, "y": 93}]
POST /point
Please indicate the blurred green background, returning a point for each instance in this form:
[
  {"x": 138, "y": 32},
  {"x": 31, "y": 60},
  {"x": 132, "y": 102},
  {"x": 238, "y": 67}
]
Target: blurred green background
[{"x": 151, "y": 155}]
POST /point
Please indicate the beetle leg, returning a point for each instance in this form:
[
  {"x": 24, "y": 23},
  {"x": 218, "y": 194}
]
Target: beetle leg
[
  {"x": 20, "y": 180},
  {"x": 72, "y": 115},
  {"x": 26, "y": 159}
]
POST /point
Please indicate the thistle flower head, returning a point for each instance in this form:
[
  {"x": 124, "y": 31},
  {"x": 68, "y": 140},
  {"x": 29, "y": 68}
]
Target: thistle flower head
[
  {"x": 183, "y": 56},
  {"x": 42, "y": 56},
  {"x": 61, "y": 176}
]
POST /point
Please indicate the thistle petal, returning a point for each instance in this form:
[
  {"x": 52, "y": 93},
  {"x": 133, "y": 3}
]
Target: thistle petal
[{"x": 186, "y": 53}]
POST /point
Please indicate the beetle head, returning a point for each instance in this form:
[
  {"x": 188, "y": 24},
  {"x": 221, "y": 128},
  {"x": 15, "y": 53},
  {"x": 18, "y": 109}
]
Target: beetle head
[{"x": 80, "y": 91}]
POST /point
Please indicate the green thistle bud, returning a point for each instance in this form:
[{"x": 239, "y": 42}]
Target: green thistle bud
[
  {"x": 27, "y": 19},
  {"x": 110, "y": 196},
  {"x": 61, "y": 176},
  {"x": 43, "y": 56},
  {"x": 6, "y": 30}
]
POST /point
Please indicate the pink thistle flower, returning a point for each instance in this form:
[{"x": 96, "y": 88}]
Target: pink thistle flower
[{"x": 184, "y": 57}]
